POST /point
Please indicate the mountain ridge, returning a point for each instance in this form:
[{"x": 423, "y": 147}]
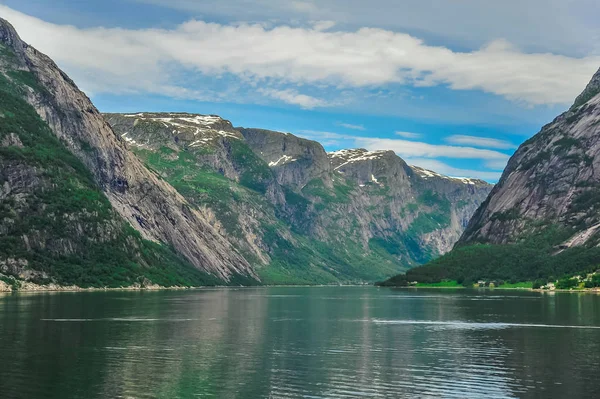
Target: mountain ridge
[
  {"x": 150, "y": 205},
  {"x": 308, "y": 191},
  {"x": 542, "y": 219},
  {"x": 188, "y": 199}
]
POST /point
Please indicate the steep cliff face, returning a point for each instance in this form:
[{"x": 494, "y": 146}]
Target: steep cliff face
[
  {"x": 295, "y": 160},
  {"x": 431, "y": 207},
  {"x": 297, "y": 213},
  {"x": 553, "y": 178},
  {"x": 189, "y": 199},
  {"x": 542, "y": 220},
  {"x": 208, "y": 162},
  {"x": 151, "y": 206}
]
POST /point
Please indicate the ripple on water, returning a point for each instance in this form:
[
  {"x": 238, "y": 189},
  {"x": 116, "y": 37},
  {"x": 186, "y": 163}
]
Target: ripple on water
[{"x": 465, "y": 325}]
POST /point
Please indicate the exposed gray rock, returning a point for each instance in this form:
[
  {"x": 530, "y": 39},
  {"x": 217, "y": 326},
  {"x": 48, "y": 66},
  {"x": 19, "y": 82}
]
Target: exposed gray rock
[
  {"x": 553, "y": 178},
  {"x": 295, "y": 160},
  {"x": 150, "y": 204},
  {"x": 11, "y": 140},
  {"x": 354, "y": 198}
]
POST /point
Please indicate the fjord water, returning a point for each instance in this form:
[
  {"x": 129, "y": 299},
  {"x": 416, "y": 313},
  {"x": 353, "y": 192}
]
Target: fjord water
[{"x": 320, "y": 342}]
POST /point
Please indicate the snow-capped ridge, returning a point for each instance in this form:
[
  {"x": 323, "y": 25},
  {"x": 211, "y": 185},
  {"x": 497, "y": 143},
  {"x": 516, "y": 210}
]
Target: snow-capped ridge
[
  {"x": 427, "y": 174},
  {"x": 209, "y": 127},
  {"x": 282, "y": 161},
  {"x": 355, "y": 155}
]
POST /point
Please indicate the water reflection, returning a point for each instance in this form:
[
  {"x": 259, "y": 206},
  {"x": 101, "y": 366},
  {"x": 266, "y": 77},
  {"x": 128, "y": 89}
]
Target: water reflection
[{"x": 343, "y": 342}]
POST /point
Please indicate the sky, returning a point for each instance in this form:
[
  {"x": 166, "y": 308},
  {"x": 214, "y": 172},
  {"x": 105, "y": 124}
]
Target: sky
[{"x": 452, "y": 86}]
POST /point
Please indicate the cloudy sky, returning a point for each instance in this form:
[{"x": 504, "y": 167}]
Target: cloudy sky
[{"x": 454, "y": 86}]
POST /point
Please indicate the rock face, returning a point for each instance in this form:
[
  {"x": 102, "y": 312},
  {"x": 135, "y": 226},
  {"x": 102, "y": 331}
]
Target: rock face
[
  {"x": 182, "y": 199},
  {"x": 553, "y": 178},
  {"x": 300, "y": 214},
  {"x": 152, "y": 206},
  {"x": 295, "y": 161}
]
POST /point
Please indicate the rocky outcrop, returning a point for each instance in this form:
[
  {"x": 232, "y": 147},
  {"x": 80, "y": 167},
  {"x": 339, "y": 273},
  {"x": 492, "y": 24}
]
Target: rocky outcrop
[
  {"x": 208, "y": 136},
  {"x": 118, "y": 204},
  {"x": 268, "y": 191},
  {"x": 552, "y": 179},
  {"x": 295, "y": 161},
  {"x": 152, "y": 206}
]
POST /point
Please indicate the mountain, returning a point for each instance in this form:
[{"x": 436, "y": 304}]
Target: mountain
[
  {"x": 178, "y": 199},
  {"x": 542, "y": 219},
  {"x": 297, "y": 213},
  {"x": 77, "y": 206}
]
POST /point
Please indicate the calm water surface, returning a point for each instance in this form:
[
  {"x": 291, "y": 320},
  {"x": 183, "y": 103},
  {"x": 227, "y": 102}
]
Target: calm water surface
[{"x": 335, "y": 342}]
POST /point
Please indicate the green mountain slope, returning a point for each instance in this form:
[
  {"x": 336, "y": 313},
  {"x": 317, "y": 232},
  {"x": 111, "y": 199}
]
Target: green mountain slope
[
  {"x": 78, "y": 206},
  {"x": 296, "y": 213},
  {"x": 56, "y": 225},
  {"x": 542, "y": 219},
  {"x": 180, "y": 199}
]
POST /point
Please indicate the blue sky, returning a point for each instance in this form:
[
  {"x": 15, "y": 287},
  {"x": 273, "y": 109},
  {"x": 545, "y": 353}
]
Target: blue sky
[{"x": 450, "y": 86}]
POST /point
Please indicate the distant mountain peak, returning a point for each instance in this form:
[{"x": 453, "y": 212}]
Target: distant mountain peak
[
  {"x": 427, "y": 174},
  {"x": 342, "y": 158}
]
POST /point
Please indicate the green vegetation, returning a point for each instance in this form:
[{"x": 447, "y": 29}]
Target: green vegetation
[
  {"x": 505, "y": 216},
  {"x": 438, "y": 215},
  {"x": 27, "y": 78},
  {"x": 401, "y": 247},
  {"x": 340, "y": 193},
  {"x": 441, "y": 284},
  {"x": 522, "y": 284},
  {"x": 431, "y": 199},
  {"x": 428, "y": 222},
  {"x": 539, "y": 158},
  {"x": 567, "y": 283},
  {"x": 61, "y": 224},
  {"x": 594, "y": 282},
  {"x": 461, "y": 204},
  {"x": 200, "y": 185},
  {"x": 256, "y": 174},
  {"x": 531, "y": 259},
  {"x": 306, "y": 261},
  {"x": 564, "y": 144},
  {"x": 585, "y": 202},
  {"x": 295, "y": 257},
  {"x": 412, "y": 207}
]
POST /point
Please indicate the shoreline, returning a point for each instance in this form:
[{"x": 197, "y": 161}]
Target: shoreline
[
  {"x": 32, "y": 287},
  {"x": 28, "y": 287},
  {"x": 584, "y": 290}
]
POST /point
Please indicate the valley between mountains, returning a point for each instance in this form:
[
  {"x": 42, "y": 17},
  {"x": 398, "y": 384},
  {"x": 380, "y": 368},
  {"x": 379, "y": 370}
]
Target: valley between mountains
[{"x": 175, "y": 199}]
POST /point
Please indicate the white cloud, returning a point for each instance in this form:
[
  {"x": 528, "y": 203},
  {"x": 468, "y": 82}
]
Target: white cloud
[
  {"x": 121, "y": 60},
  {"x": 485, "y": 142},
  {"x": 496, "y": 164},
  {"x": 323, "y": 25},
  {"x": 445, "y": 169},
  {"x": 409, "y": 149},
  {"x": 409, "y": 135},
  {"x": 293, "y": 97},
  {"x": 421, "y": 154},
  {"x": 467, "y": 23},
  {"x": 351, "y": 126}
]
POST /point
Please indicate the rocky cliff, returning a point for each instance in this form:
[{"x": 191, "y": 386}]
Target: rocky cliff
[
  {"x": 182, "y": 199},
  {"x": 553, "y": 178},
  {"x": 300, "y": 214},
  {"x": 151, "y": 206},
  {"x": 542, "y": 220}
]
